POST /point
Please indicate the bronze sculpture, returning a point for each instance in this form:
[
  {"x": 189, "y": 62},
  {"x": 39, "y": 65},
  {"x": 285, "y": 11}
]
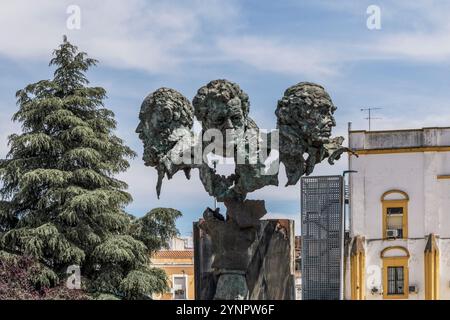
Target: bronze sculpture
[{"x": 304, "y": 122}]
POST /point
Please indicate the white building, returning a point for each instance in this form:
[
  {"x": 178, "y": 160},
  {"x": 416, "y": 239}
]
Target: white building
[
  {"x": 399, "y": 215},
  {"x": 181, "y": 243}
]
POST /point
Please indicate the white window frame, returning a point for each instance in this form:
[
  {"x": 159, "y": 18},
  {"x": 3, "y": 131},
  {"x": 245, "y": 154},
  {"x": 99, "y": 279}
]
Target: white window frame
[{"x": 185, "y": 276}]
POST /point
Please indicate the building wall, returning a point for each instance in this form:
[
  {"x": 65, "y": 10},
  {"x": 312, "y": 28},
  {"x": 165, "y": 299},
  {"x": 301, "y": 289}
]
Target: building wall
[
  {"x": 180, "y": 270},
  {"x": 177, "y": 261},
  {"x": 414, "y": 173},
  {"x": 175, "y": 266},
  {"x": 414, "y": 162},
  {"x": 180, "y": 243}
]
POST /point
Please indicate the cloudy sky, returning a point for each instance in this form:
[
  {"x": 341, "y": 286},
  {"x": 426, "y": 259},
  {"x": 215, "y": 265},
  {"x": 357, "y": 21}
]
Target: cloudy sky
[{"x": 264, "y": 46}]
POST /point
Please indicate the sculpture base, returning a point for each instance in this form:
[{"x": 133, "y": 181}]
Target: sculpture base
[{"x": 256, "y": 263}]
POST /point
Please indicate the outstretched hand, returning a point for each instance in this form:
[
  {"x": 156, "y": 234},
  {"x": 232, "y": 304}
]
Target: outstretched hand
[{"x": 336, "y": 155}]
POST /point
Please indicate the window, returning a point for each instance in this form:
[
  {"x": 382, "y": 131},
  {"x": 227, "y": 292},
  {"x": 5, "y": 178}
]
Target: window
[
  {"x": 395, "y": 214},
  {"x": 394, "y": 221},
  {"x": 395, "y": 273},
  {"x": 395, "y": 281},
  {"x": 179, "y": 287}
]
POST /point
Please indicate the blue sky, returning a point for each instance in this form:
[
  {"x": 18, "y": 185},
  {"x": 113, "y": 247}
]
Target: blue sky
[{"x": 264, "y": 46}]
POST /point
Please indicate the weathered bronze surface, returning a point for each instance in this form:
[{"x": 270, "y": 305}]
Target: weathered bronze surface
[{"x": 304, "y": 121}]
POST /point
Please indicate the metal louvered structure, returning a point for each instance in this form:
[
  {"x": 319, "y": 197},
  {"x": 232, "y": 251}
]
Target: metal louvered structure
[{"x": 322, "y": 237}]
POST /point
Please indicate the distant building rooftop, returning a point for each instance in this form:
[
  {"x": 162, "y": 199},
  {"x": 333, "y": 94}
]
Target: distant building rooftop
[
  {"x": 173, "y": 254},
  {"x": 405, "y": 140},
  {"x": 180, "y": 243}
]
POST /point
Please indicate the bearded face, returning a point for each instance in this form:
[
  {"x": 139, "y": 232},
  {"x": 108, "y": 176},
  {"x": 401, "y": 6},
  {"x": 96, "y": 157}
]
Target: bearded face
[
  {"x": 148, "y": 130},
  {"x": 321, "y": 122},
  {"x": 223, "y": 106},
  {"x": 305, "y": 120},
  {"x": 305, "y": 113},
  {"x": 225, "y": 116},
  {"x": 162, "y": 113}
]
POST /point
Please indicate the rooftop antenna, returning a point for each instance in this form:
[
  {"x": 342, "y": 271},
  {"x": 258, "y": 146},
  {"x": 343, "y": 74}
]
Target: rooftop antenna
[{"x": 370, "y": 118}]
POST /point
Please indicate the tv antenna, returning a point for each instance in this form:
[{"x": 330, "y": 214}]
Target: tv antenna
[{"x": 369, "y": 117}]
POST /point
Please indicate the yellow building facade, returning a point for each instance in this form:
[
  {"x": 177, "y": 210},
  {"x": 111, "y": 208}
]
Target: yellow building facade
[{"x": 179, "y": 267}]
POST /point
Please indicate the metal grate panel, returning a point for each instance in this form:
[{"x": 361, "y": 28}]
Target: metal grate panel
[{"x": 321, "y": 230}]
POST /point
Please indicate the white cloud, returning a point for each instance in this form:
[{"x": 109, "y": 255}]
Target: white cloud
[
  {"x": 157, "y": 36},
  {"x": 411, "y": 32},
  {"x": 154, "y": 36},
  {"x": 28, "y": 29},
  {"x": 425, "y": 47},
  {"x": 274, "y": 55}
]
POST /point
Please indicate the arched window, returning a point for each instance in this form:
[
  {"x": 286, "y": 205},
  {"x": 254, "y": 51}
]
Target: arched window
[
  {"x": 395, "y": 214},
  {"x": 395, "y": 273}
]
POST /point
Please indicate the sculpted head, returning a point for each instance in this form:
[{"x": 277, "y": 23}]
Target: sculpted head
[
  {"x": 221, "y": 105},
  {"x": 162, "y": 112},
  {"x": 307, "y": 109}
]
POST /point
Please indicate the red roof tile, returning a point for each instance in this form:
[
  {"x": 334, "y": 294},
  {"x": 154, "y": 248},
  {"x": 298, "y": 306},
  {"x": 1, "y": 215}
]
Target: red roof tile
[{"x": 165, "y": 254}]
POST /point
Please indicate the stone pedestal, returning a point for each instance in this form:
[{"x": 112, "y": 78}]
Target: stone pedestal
[{"x": 256, "y": 262}]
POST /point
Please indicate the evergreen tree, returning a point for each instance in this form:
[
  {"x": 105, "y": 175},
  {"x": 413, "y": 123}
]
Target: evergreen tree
[{"x": 61, "y": 203}]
